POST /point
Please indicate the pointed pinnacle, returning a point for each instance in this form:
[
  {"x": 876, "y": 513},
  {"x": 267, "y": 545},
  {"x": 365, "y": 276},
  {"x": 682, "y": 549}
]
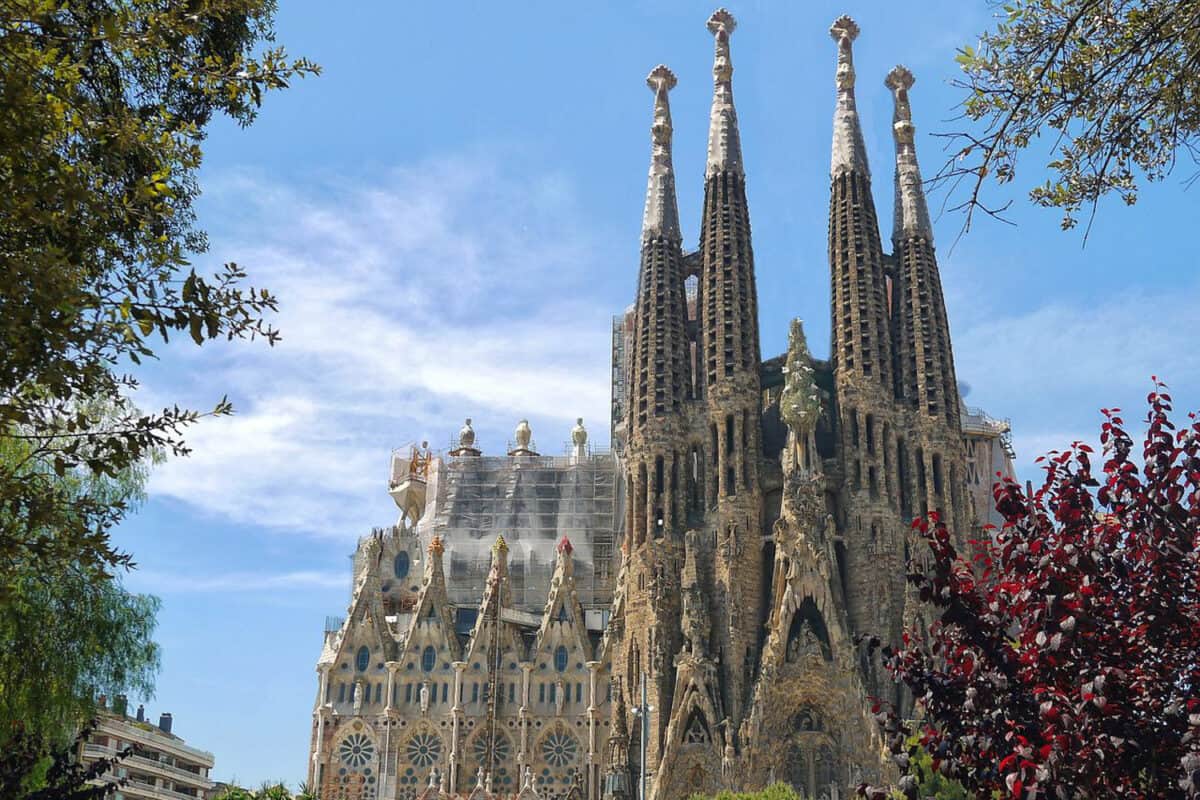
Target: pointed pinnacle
[
  {"x": 661, "y": 216},
  {"x": 724, "y": 140}
]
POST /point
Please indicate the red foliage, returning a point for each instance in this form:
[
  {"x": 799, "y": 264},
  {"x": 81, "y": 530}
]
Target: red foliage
[{"x": 1066, "y": 662}]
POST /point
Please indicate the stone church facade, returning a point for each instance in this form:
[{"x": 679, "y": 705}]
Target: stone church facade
[{"x": 683, "y": 607}]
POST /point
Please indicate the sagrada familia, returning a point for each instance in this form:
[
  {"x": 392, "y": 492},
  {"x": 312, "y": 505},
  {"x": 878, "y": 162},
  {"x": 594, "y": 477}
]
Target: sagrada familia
[{"x": 677, "y": 614}]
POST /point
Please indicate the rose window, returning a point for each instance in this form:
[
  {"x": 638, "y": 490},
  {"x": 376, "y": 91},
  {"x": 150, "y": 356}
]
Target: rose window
[
  {"x": 502, "y": 750},
  {"x": 559, "y": 749},
  {"x": 423, "y": 749},
  {"x": 356, "y": 750}
]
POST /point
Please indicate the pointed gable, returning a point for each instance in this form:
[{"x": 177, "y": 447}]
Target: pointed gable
[
  {"x": 562, "y": 619},
  {"x": 496, "y": 597},
  {"x": 431, "y": 624}
]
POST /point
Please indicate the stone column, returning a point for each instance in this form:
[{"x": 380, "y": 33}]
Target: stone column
[
  {"x": 456, "y": 721},
  {"x": 392, "y": 668}
]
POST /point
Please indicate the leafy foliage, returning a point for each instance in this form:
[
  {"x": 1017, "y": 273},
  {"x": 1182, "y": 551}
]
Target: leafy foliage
[
  {"x": 1115, "y": 84},
  {"x": 67, "y": 634},
  {"x": 103, "y": 108},
  {"x": 776, "y": 791},
  {"x": 268, "y": 791},
  {"x": 28, "y": 772},
  {"x": 1067, "y": 659}
]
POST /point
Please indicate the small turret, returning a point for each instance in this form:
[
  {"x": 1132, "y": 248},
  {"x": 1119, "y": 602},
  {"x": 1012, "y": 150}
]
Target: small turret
[
  {"x": 523, "y": 436},
  {"x": 579, "y": 438},
  {"x": 466, "y": 441}
]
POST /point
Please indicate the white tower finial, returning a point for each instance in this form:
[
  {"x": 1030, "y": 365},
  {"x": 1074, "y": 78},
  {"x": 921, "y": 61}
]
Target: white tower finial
[
  {"x": 724, "y": 140},
  {"x": 662, "y": 211},
  {"x": 911, "y": 218},
  {"x": 849, "y": 151}
]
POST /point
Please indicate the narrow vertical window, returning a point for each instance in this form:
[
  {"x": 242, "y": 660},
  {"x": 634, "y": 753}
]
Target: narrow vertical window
[{"x": 428, "y": 658}]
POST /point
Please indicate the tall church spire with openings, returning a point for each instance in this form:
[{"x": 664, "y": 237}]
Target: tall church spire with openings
[
  {"x": 861, "y": 335},
  {"x": 729, "y": 362},
  {"x": 925, "y": 364}
]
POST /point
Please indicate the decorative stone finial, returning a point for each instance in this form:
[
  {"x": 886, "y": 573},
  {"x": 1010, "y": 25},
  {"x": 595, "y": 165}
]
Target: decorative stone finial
[
  {"x": 565, "y": 547},
  {"x": 523, "y": 434},
  {"x": 436, "y": 547},
  {"x": 722, "y": 25},
  {"x": 466, "y": 436},
  {"x": 579, "y": 433},
  {"x": 912, "y": 212},
  {"x": 724, "y": 140},
  {"x": 849, "y": 150},
  {"x": 501, "y": 546},
  {"x": 661, "y": 217},
  {"x": 844, "y": 27}
]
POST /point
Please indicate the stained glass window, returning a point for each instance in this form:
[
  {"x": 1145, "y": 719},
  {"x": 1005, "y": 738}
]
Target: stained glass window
[
  {"x": 560, "y": 658},
  {"x": 428, "y": 658},
  {"x": 363, "y": 659},
  {"x": 559, "y": 749},
  {"x": 401, "y": 564},
  {"x": 356, "y": 750},
  {"x": 423, "y": 749}
]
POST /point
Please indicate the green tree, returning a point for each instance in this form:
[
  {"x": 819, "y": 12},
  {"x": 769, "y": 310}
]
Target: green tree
[
  {"x": 103, "y": 111},
  {"x": 67, "y": 634},
  {"x": 776, "y": 791},
  {"x": 32, "y": 769},
  {"x": 1113, "y": 86}
]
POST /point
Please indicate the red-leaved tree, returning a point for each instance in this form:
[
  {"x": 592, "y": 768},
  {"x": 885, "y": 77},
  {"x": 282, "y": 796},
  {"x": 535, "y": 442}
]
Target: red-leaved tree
[{"x": 1066, "y": 659}]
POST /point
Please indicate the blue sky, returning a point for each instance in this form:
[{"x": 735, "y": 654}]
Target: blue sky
[{"x": 450, "y": 217}]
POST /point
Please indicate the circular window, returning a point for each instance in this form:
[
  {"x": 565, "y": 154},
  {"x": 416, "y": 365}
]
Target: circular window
[
  {"x": 423, "y": 749},
  {"x": 401, "y": 564},
  {"x": 559, "y": 749},
  {"x": 501, "y": 752},
  {"x": 363, "y": 659},
  {"x": 356, "y": 750}
]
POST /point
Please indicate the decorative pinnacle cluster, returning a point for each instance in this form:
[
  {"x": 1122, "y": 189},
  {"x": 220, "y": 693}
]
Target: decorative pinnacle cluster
[
  {"x": 849, "y": 150},
  {"x": 911, "y": 216},
  {"x": 662, "y": 212},
  {"x": 724, "y": 140}
]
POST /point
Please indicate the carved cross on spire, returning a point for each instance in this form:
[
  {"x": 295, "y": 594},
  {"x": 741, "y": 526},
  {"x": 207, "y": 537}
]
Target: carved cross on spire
[
  {"x": 911, "y": 212},
  {"x": 849, "y": 151},
  {"x": 662, "y": 212},
  {"x": 724, "y": 140}
]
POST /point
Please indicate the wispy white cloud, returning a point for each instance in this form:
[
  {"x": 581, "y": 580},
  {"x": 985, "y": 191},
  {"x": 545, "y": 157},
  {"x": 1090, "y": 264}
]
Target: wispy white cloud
[
  {"x": 441, "y": 291},
  {"x": 167, "y": 583},
  {"x": 1052, "y": 367}
]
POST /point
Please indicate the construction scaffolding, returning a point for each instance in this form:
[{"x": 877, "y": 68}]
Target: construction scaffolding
[{"x": 533, "y": 501}]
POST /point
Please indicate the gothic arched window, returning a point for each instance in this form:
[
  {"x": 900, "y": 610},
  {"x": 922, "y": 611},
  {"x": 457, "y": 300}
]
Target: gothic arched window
[
  {"x": 560, "y": 658},
  {"x": 363, "y": 659},
  {"x": 401, "y": 564},
  {"x": 428, "y": 658}
]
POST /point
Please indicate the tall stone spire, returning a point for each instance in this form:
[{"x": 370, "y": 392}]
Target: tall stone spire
[
  {"x": 729, "y": 362},
  {"x": 660, "y": 373},
  {"x": 724, "y": 143},
  {"x": 912, "y": 213},
  {"x": 662, "y": 212},
  {"x": 862, "y": 352},
  {"x": 849, "y": 152},
  {"x": 925, "y": 362}
]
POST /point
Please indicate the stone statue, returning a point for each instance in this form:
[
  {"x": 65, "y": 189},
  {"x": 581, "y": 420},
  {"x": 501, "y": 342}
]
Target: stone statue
[
  {"x": 358, "y": 696},
  {"x": 425, "y": 697},
  {"x": 559, "y": 698}
]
